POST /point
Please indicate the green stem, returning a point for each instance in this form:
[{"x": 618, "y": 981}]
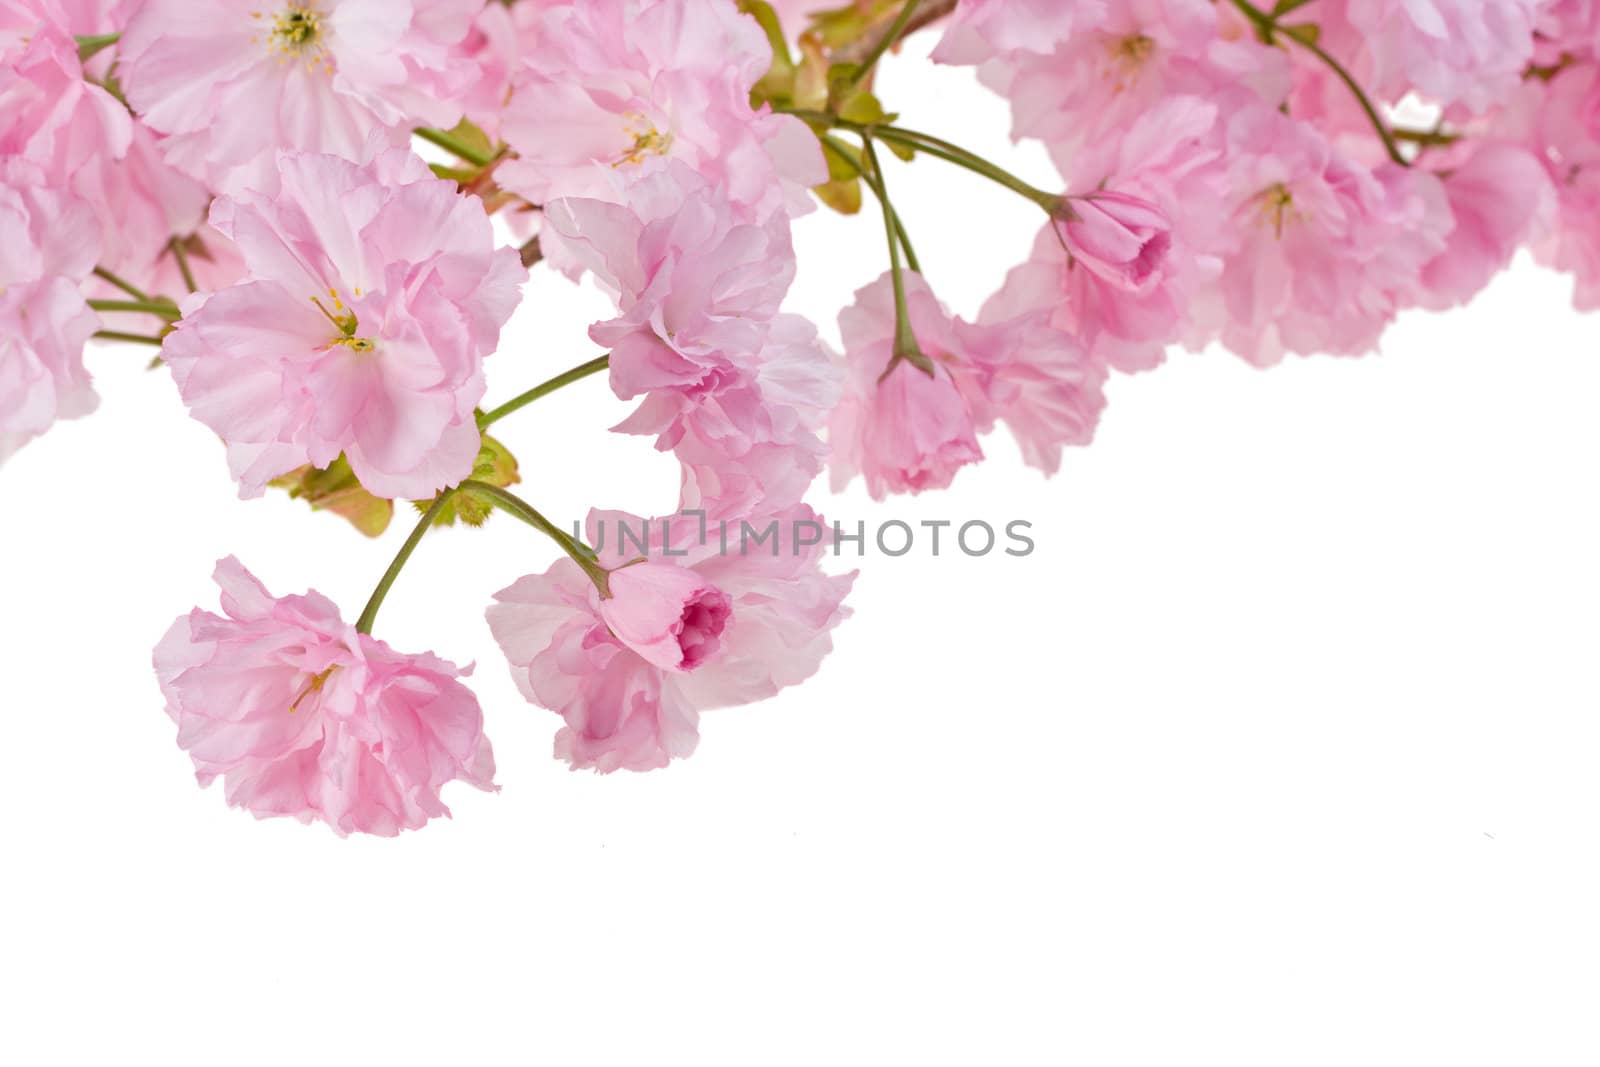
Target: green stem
[
  {"x": 90, "y": 46},
  {"x": 905, "y": 338},
  {"x": 182, "y": 258},
  {"x": 132, "y": 338},
  {"x": 838, "y": 149},
  {"x": 886, "y": 42},
  {"x": 370, "y": 614},
  {"x": 961, "y": 157},
  {"x": 126, "y": 286},
  {"x": 525, "y": 511},
  {"x": 149, "y": 307},
  {"x": 576, "y": 374},
  {"x": 933, "y": 146},
  {"x": 477, "y": 157},
  {"x": 1267, "y": 27},
  {"x": 1435, "y": 138}
]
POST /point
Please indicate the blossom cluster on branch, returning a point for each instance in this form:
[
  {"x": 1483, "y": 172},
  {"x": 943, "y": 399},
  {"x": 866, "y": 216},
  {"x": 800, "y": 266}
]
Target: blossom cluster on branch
[{"x": 241, "y": 185}]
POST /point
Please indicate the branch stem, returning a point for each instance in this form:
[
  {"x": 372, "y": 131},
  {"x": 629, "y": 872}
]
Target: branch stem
[{"x": 576, "y": 374}]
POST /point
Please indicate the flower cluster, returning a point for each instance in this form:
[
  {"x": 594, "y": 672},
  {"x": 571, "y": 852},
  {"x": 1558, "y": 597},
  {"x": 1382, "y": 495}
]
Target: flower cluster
[{"x": 323, "y": 213}]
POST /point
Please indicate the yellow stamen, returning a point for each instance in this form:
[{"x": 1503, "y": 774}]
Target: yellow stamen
[{"x": 314, "y": 686}]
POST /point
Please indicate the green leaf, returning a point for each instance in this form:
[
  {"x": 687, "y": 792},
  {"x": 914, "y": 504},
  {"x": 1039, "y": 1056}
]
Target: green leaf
[
  {"x": 470, "y": 135},
  {"x": 459, "y": 175},
  {"x": 336, "y": 489},
  {"x": 495, "y": 466},
  {"x": 862, "y": 108},
  {"x": 842, "y": 196}
]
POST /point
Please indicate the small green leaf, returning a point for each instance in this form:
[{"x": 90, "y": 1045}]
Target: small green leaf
[
  {"x": 337, "y": 489},
  {"x": 495, "y": 466},
  {"x": 842, "y": 196}
]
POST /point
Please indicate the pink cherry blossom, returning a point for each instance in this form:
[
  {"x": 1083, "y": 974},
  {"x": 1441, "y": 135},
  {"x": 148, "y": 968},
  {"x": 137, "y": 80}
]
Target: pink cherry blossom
[
  {"x": 302, "y": 716},
  {"x": 1103, "y": 77},
  {"x": 749, "y": 438},
  {"x": 910, "y": 430},
  {"x": 1121, "y": 238},
  {"x": 1500, "y": 198},
  {"x": 1172, "y": 158},
  {"x": 610, "y": 93},
  {"x": 1034, "y": 378},
  {"x": 1325, "y": 251},
  {"x": 667, "y": 614},
  {"x": 1466, "y": 52},
  {"x": 1560, "y": 121},
  {"x": 623, "y": 712},
  {"x": 374, "y": 293},
  {"x": 232, "y": 82},
  {"x": 49, "y": 114},
  {"x": 48, "y": 244},
  {"x": 697, "y": 287},
  {"x": 981, "y": 30}
]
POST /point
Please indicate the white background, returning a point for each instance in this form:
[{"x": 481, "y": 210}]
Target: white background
[{"x": 1282, "y": 748}]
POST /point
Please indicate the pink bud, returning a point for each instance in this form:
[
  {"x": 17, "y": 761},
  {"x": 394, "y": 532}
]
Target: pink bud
[
  {"x": 1123, "y": 239},
  {"x": 667, "y": 614}
]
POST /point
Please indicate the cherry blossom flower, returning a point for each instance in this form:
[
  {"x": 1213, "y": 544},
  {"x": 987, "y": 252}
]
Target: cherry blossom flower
[
  {"x": 697, "y": 287},
  {"x": 233, "y": 82},
  {"x": 48, "y": 244},
  {"x": 1466, "y": 52},
  {"x": 374, "y": 293},
  {"x": 611, "y": 93},
  {"x": 302, "y": 716},
  {"x": 903, "y": 429},
  {"x": 667, "y": 614},
  {"x": 1325, "y": 251},
  {"x": 981, "y": 30},
  {"x": 50, "y": 115},
  {"x": 1034, "y": 378},
  {"x": 773, "y": 610}
]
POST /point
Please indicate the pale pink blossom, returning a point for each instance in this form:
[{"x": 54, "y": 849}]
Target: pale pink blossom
[
  {"x": 302, "y": 716},
  {"x": 48, "y": 245},
  {"x": 1500, "y": 197},
  {"x": 1560, "y": 121},
  {"x": 232, "y": 82},
  {"x": 494, "y": 46},
  {"x": 1324, "y": 251},
  {"x": 667, "y": 614},
  {"x": 1098, "y": 81},
  {"x": 981, "y": 30},
  {"x": 1034, "y": 378},
  {"x": 696, "y": 286},
  {"x": 1452, "y": 52},
  {"x": 50, "y": 115},
  {"x": 374, "y": 293},
  {"x": 623, "y": 712},
  {"x": 144, "y": 204},
  {"x": 911, "y": 429},
  {"x": 1122, "y": 239},
  {"x": 611, "y": 93},
  {"x": 1172, "y": 158},
  {"x": 750, "y": 437}
]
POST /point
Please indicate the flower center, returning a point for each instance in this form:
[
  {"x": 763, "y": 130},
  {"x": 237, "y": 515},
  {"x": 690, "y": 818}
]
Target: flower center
[
  {"x": 297, "y": 33},
  {"x": 647, "y": 141},
  {"x": 295, "y": 28},
  {"x": 345, "y": 321},
  {"x": 1277, "y": 208},
  {"x": 1128, "y": 57},
  {"x": 313, "y": 686}
]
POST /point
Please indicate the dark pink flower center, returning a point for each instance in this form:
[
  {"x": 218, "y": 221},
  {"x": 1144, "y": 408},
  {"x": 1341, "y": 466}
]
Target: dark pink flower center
[{"x": 699, "y": 629}]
